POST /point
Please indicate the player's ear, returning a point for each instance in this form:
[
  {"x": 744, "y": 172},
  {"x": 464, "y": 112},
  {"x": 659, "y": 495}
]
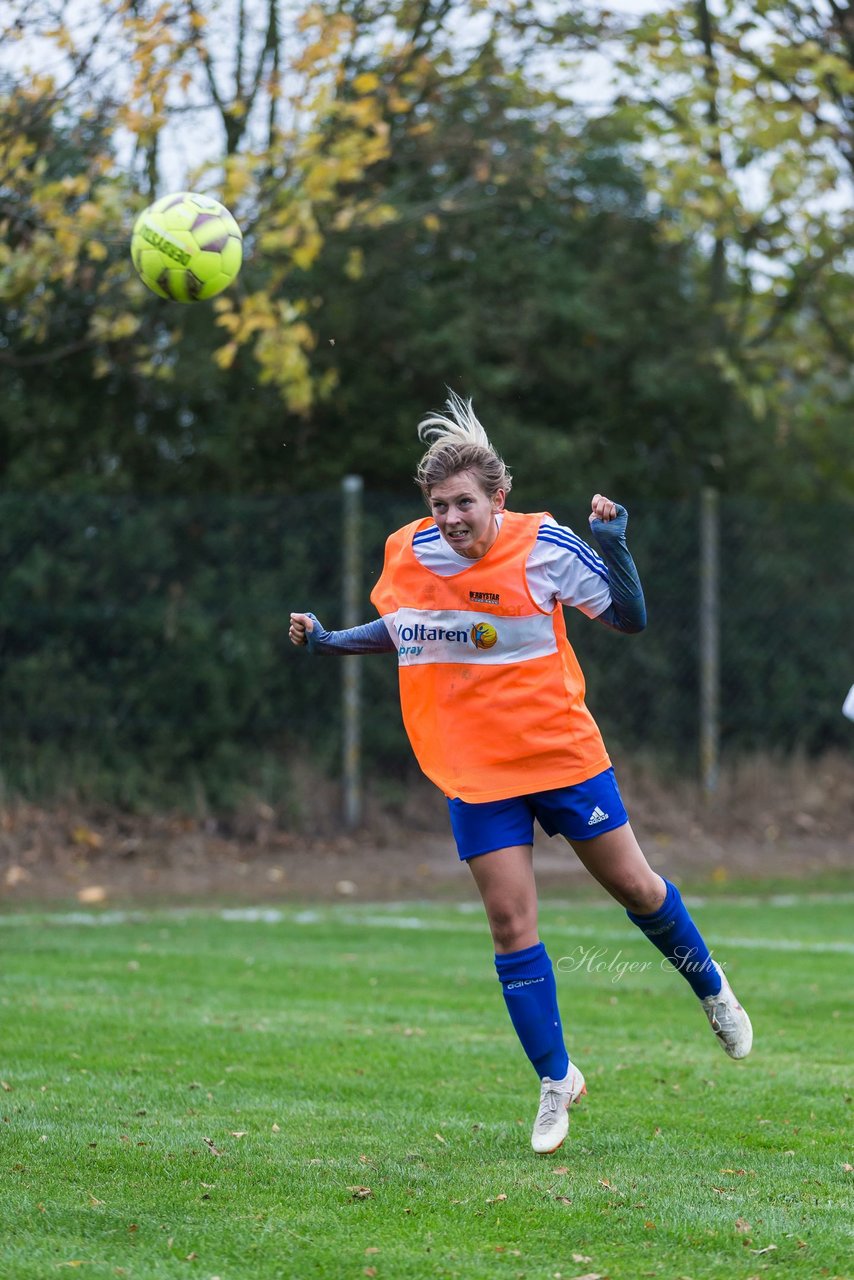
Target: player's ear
[{"x": 498, "y": 499}]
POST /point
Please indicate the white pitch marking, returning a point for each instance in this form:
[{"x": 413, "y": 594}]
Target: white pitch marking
[{"x": 388, "y": 920}]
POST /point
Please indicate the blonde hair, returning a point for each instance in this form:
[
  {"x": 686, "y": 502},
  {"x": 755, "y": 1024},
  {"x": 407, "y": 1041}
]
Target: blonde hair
[{"x": 457, "y": 442}]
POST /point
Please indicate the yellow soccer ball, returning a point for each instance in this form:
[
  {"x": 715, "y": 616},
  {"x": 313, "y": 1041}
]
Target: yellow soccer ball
[{"x": 186, "y": 247}]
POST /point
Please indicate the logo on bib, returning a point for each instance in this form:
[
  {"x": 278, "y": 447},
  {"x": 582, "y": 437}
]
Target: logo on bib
[{"x": 483, "y": 635}]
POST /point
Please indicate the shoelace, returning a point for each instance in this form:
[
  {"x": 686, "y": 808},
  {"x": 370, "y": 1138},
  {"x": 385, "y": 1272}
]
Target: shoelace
[
  {"x": 549, "y": 1101},
  {"x": 723, "y": 1015}
]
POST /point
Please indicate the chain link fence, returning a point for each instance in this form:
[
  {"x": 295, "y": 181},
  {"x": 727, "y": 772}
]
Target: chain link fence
[{"x": 144, "y": 651}]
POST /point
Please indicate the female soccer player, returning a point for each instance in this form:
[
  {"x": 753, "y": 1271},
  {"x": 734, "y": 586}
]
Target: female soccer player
[{"x": 493, "y": 703}]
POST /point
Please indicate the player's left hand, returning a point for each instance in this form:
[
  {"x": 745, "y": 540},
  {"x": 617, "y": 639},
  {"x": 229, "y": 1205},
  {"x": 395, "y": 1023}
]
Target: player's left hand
[{"x": 602, "y": 508}]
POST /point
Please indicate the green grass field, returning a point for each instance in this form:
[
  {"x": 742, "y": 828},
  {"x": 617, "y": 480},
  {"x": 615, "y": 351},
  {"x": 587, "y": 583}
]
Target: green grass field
[{"x": 337, "y": 1092}]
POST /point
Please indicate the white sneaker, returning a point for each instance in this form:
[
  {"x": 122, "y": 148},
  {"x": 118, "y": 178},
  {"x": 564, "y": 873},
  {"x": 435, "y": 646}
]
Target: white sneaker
[
  {"x": 552, "y": 1123},
  {"x": 729, "y": 1021}
]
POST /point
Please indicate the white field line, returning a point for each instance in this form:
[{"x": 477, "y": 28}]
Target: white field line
[
  {"x": 386, "y": 919},
  {"x": 585, "y": 931}
]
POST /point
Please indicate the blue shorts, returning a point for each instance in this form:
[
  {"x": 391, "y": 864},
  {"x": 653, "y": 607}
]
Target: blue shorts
[{"x": 578, "y": 813}]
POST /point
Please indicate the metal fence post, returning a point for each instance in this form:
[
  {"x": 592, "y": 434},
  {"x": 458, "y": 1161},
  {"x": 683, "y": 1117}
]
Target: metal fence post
[
  {"x": 710, "y": 676},
  {"x": 351, "y": 771}
]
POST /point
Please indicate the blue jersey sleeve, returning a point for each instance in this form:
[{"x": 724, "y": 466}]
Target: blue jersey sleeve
[
  {"x": 627, "y": 610},
  {"x": 371, "y": 637}
]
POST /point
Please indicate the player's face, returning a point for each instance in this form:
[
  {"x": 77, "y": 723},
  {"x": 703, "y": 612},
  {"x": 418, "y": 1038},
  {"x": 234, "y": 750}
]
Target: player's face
[{"x": 465, "y": 514}]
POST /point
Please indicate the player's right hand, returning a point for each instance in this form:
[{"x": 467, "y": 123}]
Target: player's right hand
[{"x": 301, "y": 625}]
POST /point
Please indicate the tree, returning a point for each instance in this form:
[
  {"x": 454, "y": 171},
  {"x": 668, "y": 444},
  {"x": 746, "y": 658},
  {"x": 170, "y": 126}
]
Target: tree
[
  {"x": 524, "y": 269},
  {"x": 292, "y": 142},
  {"x": 743, "y": 117}
]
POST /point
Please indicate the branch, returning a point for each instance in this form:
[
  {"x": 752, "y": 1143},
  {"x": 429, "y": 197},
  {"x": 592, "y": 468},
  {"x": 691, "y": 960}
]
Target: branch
[
  {"x": 271, "y": 46},
  {"x": 207, "y": 63},
  {"x": 241, "y": 37},
  {"x": 801, "y": 282},
  {"x": 845, "y": 25},
  {"x": 758, "y": 63},
  {"x": 273, "y": 110},
  {"x": 838, "y": 340},
  {"x": 45, "y": 357}
]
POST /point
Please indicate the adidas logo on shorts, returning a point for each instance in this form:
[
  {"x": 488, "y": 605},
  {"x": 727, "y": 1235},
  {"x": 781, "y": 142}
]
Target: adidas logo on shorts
[{"x": 597, "y": 816}]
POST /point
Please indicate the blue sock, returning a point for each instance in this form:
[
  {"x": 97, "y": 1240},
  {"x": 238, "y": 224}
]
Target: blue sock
[
  {"x": 672, "y": 930},
  {"x": 530, "y": 993}
]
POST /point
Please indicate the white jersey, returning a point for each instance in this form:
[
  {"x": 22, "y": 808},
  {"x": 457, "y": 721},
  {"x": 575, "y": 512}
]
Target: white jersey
[{"x": 561, "y": 566}]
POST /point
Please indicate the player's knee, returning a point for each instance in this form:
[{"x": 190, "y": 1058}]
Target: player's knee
[
  {"x": 511, "y": 925},
  {"x": 640, "y": 896}
]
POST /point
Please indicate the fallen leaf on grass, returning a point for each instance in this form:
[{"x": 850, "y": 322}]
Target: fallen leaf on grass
[
  {"x": 581, "y": 1257},
  {"x": 360, "y": 1193},
  {"x": 439, "y": 1138},
  {"x": 741, "y": 1224},
  {"x": 566, "y": 1200},
  {"x": 369, "y": 1271},
  {"x": 238, "y": 1133},
  {"x": 210, "y": 1146},
  {"x": 92, "y": 894},
  {"x": 85, "y": 836},
  {"x": 497, "y": 1199},
  {"x": 372, "y": 1248},
  {"x": 768, "y": 1248},
  {"x": 7, "y": 1088}
]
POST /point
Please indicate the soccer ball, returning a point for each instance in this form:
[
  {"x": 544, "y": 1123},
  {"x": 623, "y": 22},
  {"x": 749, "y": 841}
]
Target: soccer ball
[{"x": 186, "y": 247}]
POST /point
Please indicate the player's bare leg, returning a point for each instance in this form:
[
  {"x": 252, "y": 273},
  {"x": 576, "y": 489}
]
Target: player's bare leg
[
  {"x": 617, "y": 861},
  {"x": 505, "y": 879}
]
